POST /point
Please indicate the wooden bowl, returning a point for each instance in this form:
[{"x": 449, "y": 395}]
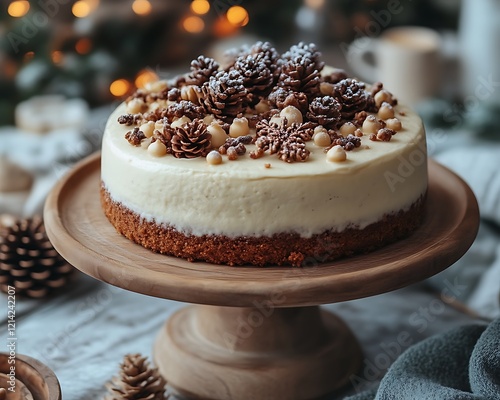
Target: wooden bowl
[{"x": 33, "y": 380}]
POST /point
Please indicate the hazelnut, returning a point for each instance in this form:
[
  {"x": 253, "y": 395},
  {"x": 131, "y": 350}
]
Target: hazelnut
[
  {"x": 383, "y": 96},
  {"x": 136, "y": 106},
  {"x": 267, "y": 165},
  {"x": 394, "y": 124},
  {"x": 180, "y": 121},
  {"x": 148, "y": 128},
  {"x": 371, "y": 125},
  {"x": 386, "y": 111},
  {"x": 262, "y": 107},
  {"x": 232, "y": 154},
  {"x": 292, "y": 115},
  {"x": 157, "y": 86},
  {"x": 275, "y": 119},
  {"x": 336, "y": 154},
  {"x": 385, "y": 134},
  {"x": 214, "y": 158},
  {"x": 347, "y": 129},
  {"x": 358, "y": 133},
  {"x": 159, "y": 125},
  {"x": 322, "y": 139},
  {"x": 191, "y": 93},
  {"x": 208, "y": 119},
  {"x": 326, "y": 88},
  {"x": 239, "y": 127},
  {"x": 157, "y": 149},
  {"x": 218, "y": 134}
]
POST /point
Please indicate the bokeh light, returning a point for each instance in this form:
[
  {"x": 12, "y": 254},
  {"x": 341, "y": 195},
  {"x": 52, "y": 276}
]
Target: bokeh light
[
  {"x": 18, "y": 9},
  {"x": 223, "y": 28},
  {"x": 200, "y": 7},
  {"x": 237, "y": 16},
  {"x": 142, "y": 7},
  {"x": 316, "y": 4},
  {"x": 29, "y": 56},
  {"x": 193, "y": 24},
  {"x": 57, "y": 57},
  {"x": 83, "y": 46},
  {"x": 81, "y": 9},
  {"x": 119, "y": 88},
  {"x": 144, "y": 77}
]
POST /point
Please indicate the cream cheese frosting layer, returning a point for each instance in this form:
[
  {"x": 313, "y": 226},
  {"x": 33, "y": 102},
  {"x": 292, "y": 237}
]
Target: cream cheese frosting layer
[{"x": 244, "y": 198}]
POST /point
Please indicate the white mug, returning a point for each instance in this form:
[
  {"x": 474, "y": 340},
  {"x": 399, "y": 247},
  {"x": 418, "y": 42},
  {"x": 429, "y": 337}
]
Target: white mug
[{"x": 406, "y": 60}]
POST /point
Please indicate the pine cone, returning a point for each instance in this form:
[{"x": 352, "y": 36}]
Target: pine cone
[
  {"x": 336, "y": 76},
  {"x": 325, "y": 111},
  {"x": 136, "y": 381},
  {"x": 28, "y": 261},
  {"x": 302, "y": 50},
  {"x": 282, "y": 98},
  {"x": 224, "y": 95},
  {"x": 300, "y": 75},
  {"x": 268, "y": 54},
  {"x": 258, "y": 79},
  {"x": 191, "y": 140},
  {"x": 353, "y": 98},
  {"x": 201, "y": 70}
]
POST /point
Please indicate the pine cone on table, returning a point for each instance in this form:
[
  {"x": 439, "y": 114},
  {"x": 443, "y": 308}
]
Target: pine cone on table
[
  {"x": 303, "y": 50},
  {"x": 224, "y": 95},
  {"x": 137, "y": 380},
  {"x": 191, "y": 140},
  {"x": 28, "y": 261}
]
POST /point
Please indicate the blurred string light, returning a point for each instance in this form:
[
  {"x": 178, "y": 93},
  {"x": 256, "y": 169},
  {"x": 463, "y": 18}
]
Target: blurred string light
[
  {"x": 57, "y": 57},
  {"x": 18, "y": 9},
  {"x": 193, "y": 24},
  {"x": 81, "y": 9},
  {"x": 29, "y": 56},
  {"x": 119, "y": 88},
  {"x": 237, "y": 15},
  {"x": 144, "y": 77},
  {"x": 142, "y": 7},
  {"x": 83, "y": 46},
  {"x": 200, "y": 7},
  {"x": 315, "y": 4}
]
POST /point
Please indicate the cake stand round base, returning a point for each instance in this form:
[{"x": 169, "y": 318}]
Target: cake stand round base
[
  {"x": 263, "y": 353},
  {"x": 259, "y": 333}
]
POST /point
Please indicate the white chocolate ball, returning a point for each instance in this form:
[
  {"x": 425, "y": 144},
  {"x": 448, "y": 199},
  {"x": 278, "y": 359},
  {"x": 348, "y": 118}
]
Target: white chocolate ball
[
  {"x": 292, "y": 114},
  {"x": 218, "y": 134},
  {"x": 320, "y": 128},
  {"x": 148, "y": 128},
  {"x": 262, "y": 107},
  {"x": 157, "y": 149},
  {"x": 382, "y": 96},
  {"x": 336, "y": 154},
  {"x": 275, "y": 119},
  {"x": 326, "y": 88},
  {"x": 180, "y": 121},
  {"x": 214, "y": 158},
  {"x": 239, "y": 127},
  {"x": 322, "y": 139},
  {"x": 347, "y": 129},
  {"x": 157, "y": 86},
  {"x": 159, "y": 125},
  {"x": 371, "y": 125},
  {"x": 386, "y": 111},
  {"x": 209, "y": 118},
  {"x": 135, "y": 106},
  {"x": 394, "y": 124}
]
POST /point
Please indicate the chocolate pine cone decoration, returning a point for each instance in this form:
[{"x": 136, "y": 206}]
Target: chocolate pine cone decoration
[
  {"x": 300, "y": 75},
  {"x": 302, "y": 50},
  {"x": 191, "y": 140},
  {"x": 224, "y": 95},
  {"x": 136, "y": 381},
  {"x": 28, "y": 261},
  {"x": 258, "y": 79},
  {"x": 269, "y": 55},
  {"x": 325, "y": 111},
  {"x": 353, "y": 97},
  {"x": 202, "y": 69}
]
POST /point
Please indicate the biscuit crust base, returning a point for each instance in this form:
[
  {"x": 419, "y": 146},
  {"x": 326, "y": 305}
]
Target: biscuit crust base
[{"x": 279, "y": 249}]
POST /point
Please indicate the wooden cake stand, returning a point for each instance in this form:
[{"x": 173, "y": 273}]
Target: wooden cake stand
[{"x": 258, "y": 333}]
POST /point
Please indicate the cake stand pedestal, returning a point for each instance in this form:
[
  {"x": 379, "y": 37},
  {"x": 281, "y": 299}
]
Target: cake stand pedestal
[{"x": 258, "y": 333}]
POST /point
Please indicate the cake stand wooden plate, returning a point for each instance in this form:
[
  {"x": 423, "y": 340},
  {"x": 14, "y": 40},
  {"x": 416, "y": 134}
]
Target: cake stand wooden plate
[{"x": 266, "y": 338}]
